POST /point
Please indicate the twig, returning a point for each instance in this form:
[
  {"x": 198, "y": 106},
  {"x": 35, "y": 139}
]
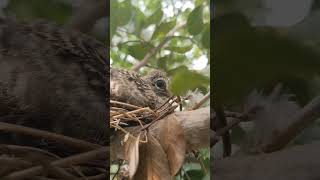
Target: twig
[
  {"x": 237, "y": 119},
  {"x": 132, "y": 112},
  {"x": 16, "y": 149},
  {"x": 69, "y": 141},
  {"x": 98, "y": 177},
  {"x": 222, "y": 123},
  {"x": 58, "y": 172},
  {"x": 164, "y": 103},
  {"x": 14, "y": 162},
  {"x": 201, "y": 102},
  {"x": 225, "y": 129},
  {"x": 158, "y": 118},
  {"x": 301, "y": 120},
  {"x": 126, "y": 105},
  {"x": 101, "y": 153}
]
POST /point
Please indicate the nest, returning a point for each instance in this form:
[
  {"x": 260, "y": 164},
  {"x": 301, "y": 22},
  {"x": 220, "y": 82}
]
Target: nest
[
  {"x": 31, "y": 162},
  {"x": 127, "y": 115}
]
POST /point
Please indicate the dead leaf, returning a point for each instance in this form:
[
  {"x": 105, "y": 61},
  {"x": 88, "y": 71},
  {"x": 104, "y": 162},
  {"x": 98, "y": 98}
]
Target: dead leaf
[
  {"x": 153, "y": 161},
  {"x": 132, "y": 154},
  {"x": 173, "y": 142}
]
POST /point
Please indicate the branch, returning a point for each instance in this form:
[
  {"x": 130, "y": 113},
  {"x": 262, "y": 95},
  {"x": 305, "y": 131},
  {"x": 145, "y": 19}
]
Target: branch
[
  {"x": 153, "y": 51},
  {"x": 195, "y": 124},
  {"x": 301, "y": 120},
  {"x": 202, "y": 101},
  {"x": 299, "y": 162}
]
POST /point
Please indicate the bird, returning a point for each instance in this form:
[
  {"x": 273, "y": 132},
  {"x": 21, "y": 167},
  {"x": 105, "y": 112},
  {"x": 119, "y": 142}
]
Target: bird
[
  {"x": 54, "y": 78},
  {"x": 130, "y": 87}
]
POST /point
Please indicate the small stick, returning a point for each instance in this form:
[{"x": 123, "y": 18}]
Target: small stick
[
  {"x": 124, "y": 104},
  {"x": 201, "y": 102}
]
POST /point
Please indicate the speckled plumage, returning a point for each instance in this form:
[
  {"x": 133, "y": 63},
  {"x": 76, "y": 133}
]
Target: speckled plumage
[{"x": 130, "y": 87}]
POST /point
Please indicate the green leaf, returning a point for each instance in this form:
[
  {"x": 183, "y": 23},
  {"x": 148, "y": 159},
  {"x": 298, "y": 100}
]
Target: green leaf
[
  {"x": 180, "y": 49},
  {"x": 163, "y": 29},
  {"x": 174, "y": 71},
  {"x": 139, "y": 20},
  {"x": 185, "y": 80},
  {"x": 205, "y": 39},
  {"x": 194, "y": 174},
  {"x": 113, "y": 19},
  {"x": 195, "y": 21},
  {"x": 123, "y": 14},
  {"x": 199, "y": 2},
  {"x": 245, "y": 58},
  {"x": 155, "y": 18},
  {"x": 163, "y": 62},
  {"x": 153, "y": 4},
  {"x": 206, "y": 177},
  {"x": 138, "y": 51},
  {"x": 118, "y": 61}
]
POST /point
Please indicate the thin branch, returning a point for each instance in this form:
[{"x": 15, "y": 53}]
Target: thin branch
[
  {"x": 16, "y": 149},
  {"x": 201, "y": 102},
  {"x": 226, "y": 138},
  {"x": 298, "y": 162},
  {"x": 302, "y": 119},
  {"x": 69, "y": 141},
  {"x": 224, "y": 130},
  {"x": 101, "y": 153},
  {"x": 237, "y": 118}
]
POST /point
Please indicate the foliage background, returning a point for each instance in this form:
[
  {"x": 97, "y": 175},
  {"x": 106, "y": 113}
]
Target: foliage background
[
  {"x": 55, "y": 11},
  {"x": 259, "y": 43},
  {"x": 137, "y": 27}
]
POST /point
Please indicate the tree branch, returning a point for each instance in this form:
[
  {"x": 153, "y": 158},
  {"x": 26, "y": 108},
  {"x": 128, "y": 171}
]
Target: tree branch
[
  {"x": 301, "y": 120},
  {"x": 299, "y": 162}
]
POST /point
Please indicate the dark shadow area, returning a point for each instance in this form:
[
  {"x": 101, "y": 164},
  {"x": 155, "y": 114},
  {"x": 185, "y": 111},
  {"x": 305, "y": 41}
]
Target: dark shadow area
[{"x": 266, "y": 105}]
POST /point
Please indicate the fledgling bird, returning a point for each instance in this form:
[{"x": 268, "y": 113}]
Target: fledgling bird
[{"x": 144, "y": 91}]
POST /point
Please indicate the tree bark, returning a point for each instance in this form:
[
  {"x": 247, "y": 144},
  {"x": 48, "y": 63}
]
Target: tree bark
[{"x": 299, "y": 162}]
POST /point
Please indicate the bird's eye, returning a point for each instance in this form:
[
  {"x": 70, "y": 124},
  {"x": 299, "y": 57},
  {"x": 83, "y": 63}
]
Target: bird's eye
[{"x": 161, "y": 84}]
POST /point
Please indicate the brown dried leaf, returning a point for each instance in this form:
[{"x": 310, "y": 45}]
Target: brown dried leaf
[
  {"x": 132, "y": 154},
  {"x": 173, "y": 142},
  {"x": 153, "y": 161}
]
